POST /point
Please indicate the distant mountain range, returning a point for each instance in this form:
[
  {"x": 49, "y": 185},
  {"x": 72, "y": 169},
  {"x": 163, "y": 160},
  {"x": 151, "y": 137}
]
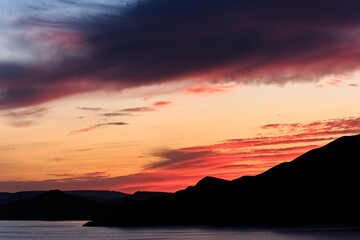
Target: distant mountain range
[
  {"x": 98, "y": 196},
  {"x": 319, "y": 187},
  {"x": 68, "y": 205},
  {"x": 54, "y": 205}
]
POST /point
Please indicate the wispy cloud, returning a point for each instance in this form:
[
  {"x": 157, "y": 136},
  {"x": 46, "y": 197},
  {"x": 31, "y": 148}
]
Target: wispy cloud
[
  {"x": 138, "y": 109},
  {"x": 153, "y": 107},
  {"x": 115, "y": 114},
  {"x": 161, "y": 103},
  {"x": 210, "y": 89},
  {"x": 317, "y": 128},
  {"x": 91, "y": 128},
  {"x": 80, "y": 150},
  {"x": 340, "y": 80},
  {"x": 24, "y": 117},
  {"x": 95, "y": 109},
  {"x": 171, "y": 158},
  {"x": 7, "y": 149}
]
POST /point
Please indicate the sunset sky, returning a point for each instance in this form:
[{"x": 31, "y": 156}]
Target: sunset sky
[{"x": 155, "y": 95}]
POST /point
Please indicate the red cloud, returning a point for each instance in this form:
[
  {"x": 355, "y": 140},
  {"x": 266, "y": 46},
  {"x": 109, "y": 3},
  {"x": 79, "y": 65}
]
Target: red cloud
[
  {"x": 318, "y": 128},
  {"x": 147, "y": 109},
  {"x": 210, "y": 89},
  {"x": 161, "y": 103},
  {"x": 337, "y": 81}
]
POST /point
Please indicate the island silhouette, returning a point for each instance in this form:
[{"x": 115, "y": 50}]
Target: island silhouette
[{"x": 318, "y": 188}]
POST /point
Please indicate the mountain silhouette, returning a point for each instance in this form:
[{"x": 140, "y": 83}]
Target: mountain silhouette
[
  {"x": 6, "y": 197},
  {"x": 319, "y": 187},
  {"x": 54, "y": 205},
  {"x": 100, "y": 196},
  {"x": 144, "y": 195}
]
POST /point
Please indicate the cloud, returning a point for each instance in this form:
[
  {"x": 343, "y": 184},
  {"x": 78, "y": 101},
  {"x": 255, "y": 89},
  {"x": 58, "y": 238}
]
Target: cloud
[
  {"x": 95, "y": 109},
  {"x": 172, "y": 158},
  {"x": 61, "y": 175},
  {"x": 210, "y": 89},
  {"x": 82, "y": 176},
  {"x": 152, "y": 42},
  {"x": 91, "y": 128},
  {"x": 154, "y": 107},
  {"x": 31, "y": 112},
  {"x": 138, "y": 109},
  {"x": 161, "y": 103},
  {"x": 80, "y": 150},
  {"x": 7, "y": 149},
  {"x": 24, "y": 117},
  {"x": 338, "y": 80},
  {"x": 115, "y": 114},
  {"x": 259, "y": 141},
  {"x": 198, "y": 160},
  {"x": 331, "y": 126}
]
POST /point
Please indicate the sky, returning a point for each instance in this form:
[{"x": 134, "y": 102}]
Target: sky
[{"x": 154, "y": 95}]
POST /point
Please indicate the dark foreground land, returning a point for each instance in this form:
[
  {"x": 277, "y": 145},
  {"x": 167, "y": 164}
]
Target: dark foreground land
[{"x": 317, "y": 188}]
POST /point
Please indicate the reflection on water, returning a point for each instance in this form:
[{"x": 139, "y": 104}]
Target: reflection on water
[{"x": 74, "y": 230}]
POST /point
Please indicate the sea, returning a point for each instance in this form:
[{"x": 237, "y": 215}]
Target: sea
[{"x": 73, "y": 230}]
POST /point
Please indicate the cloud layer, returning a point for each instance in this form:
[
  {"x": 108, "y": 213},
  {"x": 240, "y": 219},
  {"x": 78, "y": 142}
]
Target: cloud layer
[{"x": 148, "y": 42}]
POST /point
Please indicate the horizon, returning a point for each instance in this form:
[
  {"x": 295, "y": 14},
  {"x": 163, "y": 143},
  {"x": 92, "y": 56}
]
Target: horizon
[{"x": 153, "y": 96}]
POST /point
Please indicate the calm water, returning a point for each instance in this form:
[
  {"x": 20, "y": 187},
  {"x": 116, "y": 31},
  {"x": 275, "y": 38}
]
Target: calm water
[{"x": 74, "y": 230}]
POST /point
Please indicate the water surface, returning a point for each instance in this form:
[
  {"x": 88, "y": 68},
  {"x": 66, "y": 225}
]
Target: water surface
[{"x": 73, "y": 230}]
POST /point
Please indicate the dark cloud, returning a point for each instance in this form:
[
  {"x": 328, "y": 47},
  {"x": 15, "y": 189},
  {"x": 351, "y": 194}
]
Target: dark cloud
[
  {"x": 24, "y": 118},
  {"x": 80, "y": 150},
  {"x": 61, "y": 175},
  {"x": 115, "y": 114},
  {"x": 91, "y": 108},
  {"x": 153, "y": 107},
  {"x": 91, "y": 128},
  {"x": 112, "y": 124},
  {"x": 31, "y": 112},
  {"x": 138, "y": 109},
  {"x": 172, "y": 158},
  {"x": 151, "y": 41},
  {"x": 238, "y": 166},
  {"x": 83, "y": 176}
]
